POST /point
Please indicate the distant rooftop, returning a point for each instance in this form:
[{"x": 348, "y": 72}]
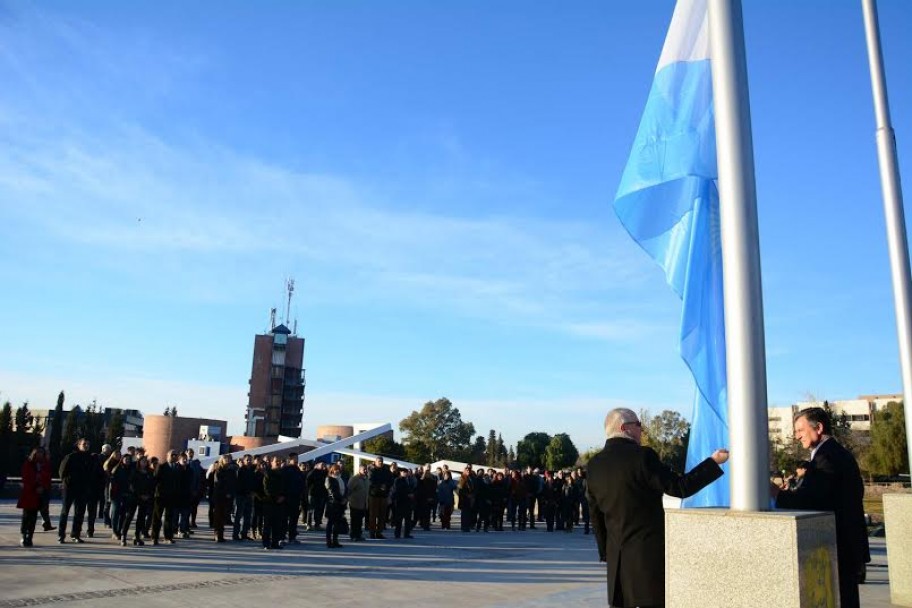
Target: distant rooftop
[{"x": 281, "y": 329}]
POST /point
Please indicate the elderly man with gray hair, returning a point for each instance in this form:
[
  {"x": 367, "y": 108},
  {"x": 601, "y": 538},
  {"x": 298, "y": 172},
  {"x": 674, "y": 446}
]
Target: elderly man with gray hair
[{"x": 626, "y": 484}]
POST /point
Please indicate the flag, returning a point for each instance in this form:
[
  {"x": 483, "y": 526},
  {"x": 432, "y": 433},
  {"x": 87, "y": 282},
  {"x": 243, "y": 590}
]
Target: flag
[{"x": 668, "y": 201}]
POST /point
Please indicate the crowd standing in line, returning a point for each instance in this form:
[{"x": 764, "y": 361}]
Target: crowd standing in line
[{"x": 267, "y": 500}]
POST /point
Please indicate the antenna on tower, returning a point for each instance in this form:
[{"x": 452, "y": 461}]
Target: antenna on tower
[
  {"x": 295, "y": 330},
  {"x": 272, "y": 313},
  {"x": 289, "y": 287}
]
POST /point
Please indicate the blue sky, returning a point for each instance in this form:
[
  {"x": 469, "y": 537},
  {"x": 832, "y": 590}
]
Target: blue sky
[{"x": 438, "y": 178}]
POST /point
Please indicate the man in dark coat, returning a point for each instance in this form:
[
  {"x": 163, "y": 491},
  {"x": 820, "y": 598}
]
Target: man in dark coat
[
  {"x": 832, "y": 483},
  {"x": 77, "y": 473},
  {"x": 294, "y": 487},
  {"x": 626, "y": 483}
]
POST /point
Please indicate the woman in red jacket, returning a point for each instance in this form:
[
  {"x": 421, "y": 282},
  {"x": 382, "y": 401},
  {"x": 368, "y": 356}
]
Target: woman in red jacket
[{"x": 36, "y": 484}]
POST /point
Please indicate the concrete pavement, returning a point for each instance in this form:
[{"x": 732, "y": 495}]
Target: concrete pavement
[{"x": 438, "y": 568}]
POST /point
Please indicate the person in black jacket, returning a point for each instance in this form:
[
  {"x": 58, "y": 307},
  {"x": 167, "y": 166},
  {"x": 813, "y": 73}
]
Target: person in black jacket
[
  {"x": 316, "y": 489},
  {"x": 273, "y": 507},
  {"x": 832, "y": 483},
  {"x": 166, "y": 497},
  {"x": 335, "y": 505},
  {"x": 381, "y": 480},
  {"x": 294, "y": 486},
  {"x": 119, "y": 493},
  {"x": 403, "y": 499},
  {"x": 243, "y": 499},
  {"x": 77, "y": 476},
  {"x": 626, "y": 483},
  {"x": 139, "y": 492},
  {"x": 569, "y": 502},
  {"x": 184, "y": 501},
  {"x": 224, "y": 488}
]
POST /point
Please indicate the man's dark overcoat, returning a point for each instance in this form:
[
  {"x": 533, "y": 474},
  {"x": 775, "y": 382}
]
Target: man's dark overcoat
[
  {"x": 833, "y": 483},
  {"x": 626, "y": 483}
]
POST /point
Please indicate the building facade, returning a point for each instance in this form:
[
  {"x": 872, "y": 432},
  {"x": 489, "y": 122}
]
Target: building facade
[
  {"x": 276, "y": 399},
  {"x": 859, "y": 413}
]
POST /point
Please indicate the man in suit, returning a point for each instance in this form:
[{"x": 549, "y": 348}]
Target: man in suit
[
  {"x": 625, "y": 486},
  {"x": 832, "y": 483}
]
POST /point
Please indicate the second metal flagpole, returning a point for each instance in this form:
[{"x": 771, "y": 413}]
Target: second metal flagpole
[
  {"x": 745, "y": 347},
  {"x": 897, "y": 244}
]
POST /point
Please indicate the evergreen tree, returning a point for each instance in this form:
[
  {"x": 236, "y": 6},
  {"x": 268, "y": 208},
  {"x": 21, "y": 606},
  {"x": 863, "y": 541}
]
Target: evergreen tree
[
  {"x": 479, "y": 451},
  {"x": 491, "y": 452},
  {"x": 511, "y": 457},
  {"x": 888, "y": 455},
  {"x": 6, "y": 440},
  {"x": 70, "y": 431},
  {"x": 56, "y": 432},
  {"x": 501, "y": 460},
  {"x": 560, "y": 452},
  {"x": 530, "y": 451},
  {"x": 115, "y": 429}
]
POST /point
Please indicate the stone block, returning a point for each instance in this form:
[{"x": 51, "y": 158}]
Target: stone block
[
  {"x": 898, "y": 523},
  {"x": 729, "y": 559}
]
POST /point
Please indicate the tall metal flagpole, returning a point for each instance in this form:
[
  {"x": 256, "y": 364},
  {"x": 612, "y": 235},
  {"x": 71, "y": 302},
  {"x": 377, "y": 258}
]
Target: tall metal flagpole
[
  {"x": 893, "y": 209},
  {"x": 745, "y": 348}
]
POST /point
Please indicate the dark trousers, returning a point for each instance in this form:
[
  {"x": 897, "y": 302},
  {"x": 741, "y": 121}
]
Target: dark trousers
[
  {"x": 848, "y": 587},
  {"x": 446, "y": 513},
  {"x": 45, "y": 511},
  {"x": 163, "y": 511},
  {"x": 76, "y": 501},
  {"x": 466, "y": 517},
  {"x": 402, "y": 514},
  {"x": 318, "y": 505},
  {"x": 131, "y": 508},
  {"x": 423, "y": 514},
  {"x": 94, "y": 506},
  {"x": 258, "y": 511},
  {"x": 376, "y": 506},
  {"x": 357, "y": 523},
  {"x": 530, "y": 506},
  {"x": 29, "y": 519},
  {"x": 242, "y": 512},
  {"x": 497, "y": 516},
  {"x": 334, "y": 515},
  {"x": 291, "y": 519},
  {"x": 273, "y": 515},
  {"x": 484, "y": 515},
  {"x": 220, "y": 512}
]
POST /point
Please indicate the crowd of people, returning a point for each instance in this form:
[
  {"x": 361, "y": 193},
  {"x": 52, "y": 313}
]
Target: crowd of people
[{"x": 271, "y": 499}]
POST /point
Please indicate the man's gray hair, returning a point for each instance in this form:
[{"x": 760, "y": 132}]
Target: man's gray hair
[{"x": 616, "y": 419}]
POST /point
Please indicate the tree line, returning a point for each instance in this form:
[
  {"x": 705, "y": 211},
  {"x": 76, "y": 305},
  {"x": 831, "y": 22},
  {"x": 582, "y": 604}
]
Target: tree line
[
  {"x": 438, "y": 432},
  {"x": 20, "y": 432}
]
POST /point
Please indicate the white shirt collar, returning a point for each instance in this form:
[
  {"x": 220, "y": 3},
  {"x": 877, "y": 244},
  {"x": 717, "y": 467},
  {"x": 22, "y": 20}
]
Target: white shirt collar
[{"x": 814, "y": 451}]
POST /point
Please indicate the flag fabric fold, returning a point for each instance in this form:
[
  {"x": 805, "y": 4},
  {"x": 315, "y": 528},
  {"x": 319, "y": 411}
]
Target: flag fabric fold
[{"x": 668, "y": 201}]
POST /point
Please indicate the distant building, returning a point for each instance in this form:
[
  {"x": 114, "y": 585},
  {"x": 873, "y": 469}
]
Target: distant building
[
  {"x": 132, "y": 420},
  {"x": 163, "y": 433},
  {"x": 859, "y": 412},
  {"x": 276, "y": 398}
]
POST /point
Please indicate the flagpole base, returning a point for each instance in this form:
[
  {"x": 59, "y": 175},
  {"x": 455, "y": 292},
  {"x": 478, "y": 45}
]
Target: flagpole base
[
  {"x": 898, "y": 524},
  {"x": 733, "y": 559}
]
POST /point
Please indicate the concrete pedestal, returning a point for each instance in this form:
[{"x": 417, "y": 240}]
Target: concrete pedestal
[
  {"x": 729, "y": 559},
  {"x": 898, "y": 522}
]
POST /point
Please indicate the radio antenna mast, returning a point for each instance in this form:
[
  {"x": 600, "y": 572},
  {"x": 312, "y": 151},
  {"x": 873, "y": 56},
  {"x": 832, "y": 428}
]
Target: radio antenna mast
[{"x": 289, "y": 287}]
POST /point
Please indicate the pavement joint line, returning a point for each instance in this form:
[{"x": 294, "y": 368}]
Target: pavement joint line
[{"x": 139, "y": 590}]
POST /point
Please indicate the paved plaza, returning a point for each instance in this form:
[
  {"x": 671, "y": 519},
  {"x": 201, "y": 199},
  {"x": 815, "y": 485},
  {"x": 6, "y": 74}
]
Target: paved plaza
[{"x": 438, "y": 568}]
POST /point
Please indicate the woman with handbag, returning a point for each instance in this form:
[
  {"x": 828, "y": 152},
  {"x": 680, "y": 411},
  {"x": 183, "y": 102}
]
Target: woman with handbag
[{"x": 336, "y": 501}]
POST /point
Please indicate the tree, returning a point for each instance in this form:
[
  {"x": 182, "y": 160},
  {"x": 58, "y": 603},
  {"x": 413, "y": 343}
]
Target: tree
[
  {"x": 26, "y": 437},
  {"x": 70, "y": 431},
  {"x": 888, "y": 455},
  {"x": 511, "y": 457},
  {"x": 167, "y": 411},
  {"x": 439, "y": 430},
  {"x": 586, "y": 456},
  {"x": 530, "y": 451},
  {"x": 6, "y": 440},
  {"x": 785, "y": 456},
  {"x": 501, "y": 450},
  {"x": 56, "y": 432},
  {"x": 115, "y": 429},
  {"x": 478, "y": 455},
  {"x": 383, "y": 446},
  {"x": 491, "y": 451},
  {"x": 667, "y": 434},
  {"x": 560, "y": 452}
]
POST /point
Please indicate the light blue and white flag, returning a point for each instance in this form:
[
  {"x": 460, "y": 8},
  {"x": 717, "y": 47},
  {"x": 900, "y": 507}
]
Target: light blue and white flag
[{"x": 668, "y": 201}]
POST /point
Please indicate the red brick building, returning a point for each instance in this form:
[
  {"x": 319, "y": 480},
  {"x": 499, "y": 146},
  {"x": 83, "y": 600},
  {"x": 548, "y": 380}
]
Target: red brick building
[{"x": 276, "y": 398}]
